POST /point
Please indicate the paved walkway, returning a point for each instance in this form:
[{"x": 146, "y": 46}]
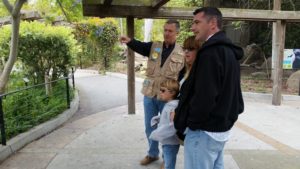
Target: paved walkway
[{"x": 265, "y": 137}]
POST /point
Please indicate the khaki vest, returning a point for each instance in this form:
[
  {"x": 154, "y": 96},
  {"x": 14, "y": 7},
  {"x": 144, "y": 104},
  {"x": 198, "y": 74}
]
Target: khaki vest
[{"x": 156, "y": 74}]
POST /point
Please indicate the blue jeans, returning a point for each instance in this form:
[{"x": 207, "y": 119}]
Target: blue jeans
[
  {"x": 169, "y": 154},
  {"x": 202, "y": 152},
  {"x": 152, "y": 107}
]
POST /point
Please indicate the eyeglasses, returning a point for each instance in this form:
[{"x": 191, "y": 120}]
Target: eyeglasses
[{"x": 188, "y": 49}]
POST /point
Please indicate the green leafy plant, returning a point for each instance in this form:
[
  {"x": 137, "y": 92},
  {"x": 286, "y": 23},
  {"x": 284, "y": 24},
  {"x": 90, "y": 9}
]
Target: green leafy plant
[
  {"x": 43, "y": 49},
  {"x": 28, "y": 108},
  {"x": 97, "y": 38}
]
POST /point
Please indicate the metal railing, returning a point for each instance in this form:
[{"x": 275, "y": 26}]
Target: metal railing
[{"x": 29, "y": 93}]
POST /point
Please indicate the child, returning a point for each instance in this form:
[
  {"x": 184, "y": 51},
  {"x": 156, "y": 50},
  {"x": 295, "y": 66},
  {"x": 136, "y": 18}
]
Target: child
[{"x": 165, "y": 132}]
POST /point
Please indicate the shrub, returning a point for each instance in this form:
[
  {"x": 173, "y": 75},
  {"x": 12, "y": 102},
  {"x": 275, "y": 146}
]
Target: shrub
[
  {"x": 97, "y": 38},
  {"x": 43, "y": 49}
]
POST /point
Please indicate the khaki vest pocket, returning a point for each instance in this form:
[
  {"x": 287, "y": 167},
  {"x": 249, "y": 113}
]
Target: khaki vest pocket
[
  {"x": 150, "y": 68},
  {"x": 147, "y": 89},
  {"x": 175, "y": 65}
]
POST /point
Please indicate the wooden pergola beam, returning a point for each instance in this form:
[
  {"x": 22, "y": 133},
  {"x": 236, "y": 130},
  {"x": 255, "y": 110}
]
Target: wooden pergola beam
[
  {"x": 187, "y": 13},
  {"x": 130, "y": 68},
  {"x": 159, "y": 3},
  {"x": 107, "y": 2}
]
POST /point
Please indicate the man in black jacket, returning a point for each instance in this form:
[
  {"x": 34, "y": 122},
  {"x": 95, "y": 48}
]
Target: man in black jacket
[{"x": 211, "y": 98}]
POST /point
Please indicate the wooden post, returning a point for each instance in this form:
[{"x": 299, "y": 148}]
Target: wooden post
[
  {"x": 278, "y": 71},
  {"x": 276, "y": 6},
  {"x": 277, "y": 55},
  {"x": 130, "y": 69}
]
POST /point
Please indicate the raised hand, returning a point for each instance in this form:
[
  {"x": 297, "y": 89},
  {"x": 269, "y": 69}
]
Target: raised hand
[{"x": 124, "y": 39}]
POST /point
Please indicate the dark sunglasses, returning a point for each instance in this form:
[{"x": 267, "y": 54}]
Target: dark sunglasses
[{"x": 164, "y": 90}]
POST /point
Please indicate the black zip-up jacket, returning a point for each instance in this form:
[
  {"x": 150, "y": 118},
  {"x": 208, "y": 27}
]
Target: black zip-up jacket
[{"x": 211, "y": 98}]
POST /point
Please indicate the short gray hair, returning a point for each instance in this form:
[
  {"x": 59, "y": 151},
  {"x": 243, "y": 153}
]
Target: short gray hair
[{"x": 173, "y": 21}]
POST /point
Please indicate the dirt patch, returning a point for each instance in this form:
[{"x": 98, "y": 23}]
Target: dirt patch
[
  {"x": 259, "y": 80},
  {"x": 250, "y": 84}
]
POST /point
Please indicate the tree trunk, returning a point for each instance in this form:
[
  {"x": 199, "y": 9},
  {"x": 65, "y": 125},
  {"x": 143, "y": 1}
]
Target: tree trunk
[
  {"x": 15, "y": 16},
  {"x": 48, "y": 85}
]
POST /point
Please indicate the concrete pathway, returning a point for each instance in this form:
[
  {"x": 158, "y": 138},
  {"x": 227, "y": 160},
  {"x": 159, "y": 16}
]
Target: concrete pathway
[
  {"x": 98, "y": 92},
  {"x": 265, "y": 137}
]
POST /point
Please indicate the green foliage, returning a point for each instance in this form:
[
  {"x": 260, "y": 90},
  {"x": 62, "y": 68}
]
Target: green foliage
[
  {"x": 184, "y": 3},
  {"x": 139, "y": 29},
  {"x": 237, "y": 24},
  {"x": 28, "y": 108},
  {"x": 158, "y": 30},
  {"x": 196, "y": 3},
  {"x": 5, "y": 33},
  {"x": 73, "y": 9},
  {"x": 42, "y": 48},
  {"x": 185, "y": 31},
  {"x": 176, "y": 3},
  {"x": 50, "y": 9},
  {"x": 16, "y": 79},
  {"x": 3, "y": 10},
  {"x": 97, "y": 38}
]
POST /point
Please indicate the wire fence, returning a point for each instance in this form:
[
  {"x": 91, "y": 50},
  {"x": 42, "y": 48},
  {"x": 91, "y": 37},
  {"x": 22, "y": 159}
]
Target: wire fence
[{"x": 26, "y": 108}]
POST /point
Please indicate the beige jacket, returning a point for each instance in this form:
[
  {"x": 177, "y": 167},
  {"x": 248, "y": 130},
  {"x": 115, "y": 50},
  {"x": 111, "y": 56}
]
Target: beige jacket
[{"x": 156, "y": 74}]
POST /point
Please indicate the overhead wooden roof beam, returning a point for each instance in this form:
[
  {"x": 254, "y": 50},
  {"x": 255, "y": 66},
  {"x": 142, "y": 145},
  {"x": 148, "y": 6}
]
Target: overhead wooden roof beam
[
  {"x": 187, "y": 13},
  {"x": 107, "y": 2},
  {"x": 159, "y": 3}
]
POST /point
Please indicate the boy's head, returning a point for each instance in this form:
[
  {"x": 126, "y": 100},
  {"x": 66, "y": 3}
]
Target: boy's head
[{"x": 169, "y": 89}]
